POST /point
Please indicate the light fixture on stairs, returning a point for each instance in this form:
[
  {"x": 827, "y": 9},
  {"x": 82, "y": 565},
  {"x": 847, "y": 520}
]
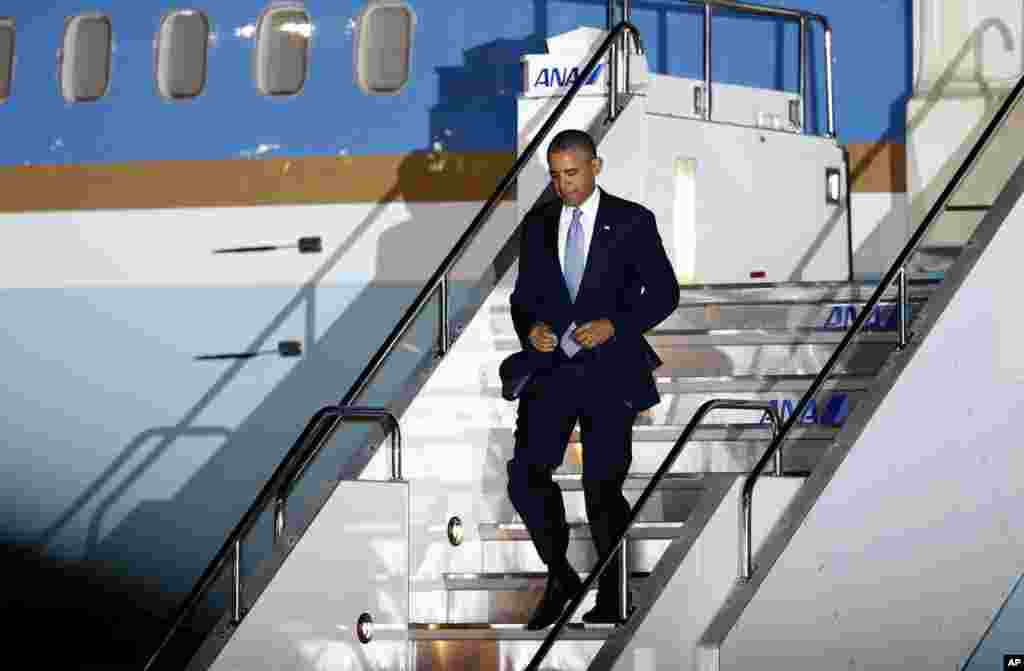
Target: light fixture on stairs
[
  {"x": 364, "y": 628},
  {"x": 455, "y": 531}
]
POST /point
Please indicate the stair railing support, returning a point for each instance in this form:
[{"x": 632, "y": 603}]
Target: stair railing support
[
  {"x": 444, "y": 337},
  {"x": 901, "y": 307},
  {"x": 280, "y": 504},
  {"x": 747, "y": 516},
  {"x": 624, "y": 580},
  {"x": 236, "y": 584}
]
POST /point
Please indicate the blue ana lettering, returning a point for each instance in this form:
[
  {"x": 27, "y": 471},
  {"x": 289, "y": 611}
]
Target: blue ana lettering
[
  {"x": 882, "y": 318},
  {"x": 833, "y": 413},
  {"x": 563, "y": 76}
]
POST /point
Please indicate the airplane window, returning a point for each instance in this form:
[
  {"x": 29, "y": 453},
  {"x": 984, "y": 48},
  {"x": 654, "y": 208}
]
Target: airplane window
[
  {"x": 384, "y": 47},
  {"x": 85, "y": 58},
  {"x": 181, "y": 54},
  {"x": 282, "y": 50},
  {"x": 6, "y": 56}
]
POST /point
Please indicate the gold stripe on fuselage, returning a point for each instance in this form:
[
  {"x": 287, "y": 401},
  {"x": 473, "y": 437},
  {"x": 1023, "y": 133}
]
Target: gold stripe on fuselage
[{"x": 415, "y": 177}]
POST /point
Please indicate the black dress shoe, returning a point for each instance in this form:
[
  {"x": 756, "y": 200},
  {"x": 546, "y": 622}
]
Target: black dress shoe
[
  {"x": 561, "y": 588},
  {"x": 602, "y": 615}
]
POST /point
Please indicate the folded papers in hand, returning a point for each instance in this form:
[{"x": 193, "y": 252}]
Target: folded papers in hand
[{"x": 568, "y": 343}]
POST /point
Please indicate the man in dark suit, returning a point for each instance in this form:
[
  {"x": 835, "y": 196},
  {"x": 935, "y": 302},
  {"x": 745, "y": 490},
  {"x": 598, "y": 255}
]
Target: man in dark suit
[{"x": 593, "y": 277}]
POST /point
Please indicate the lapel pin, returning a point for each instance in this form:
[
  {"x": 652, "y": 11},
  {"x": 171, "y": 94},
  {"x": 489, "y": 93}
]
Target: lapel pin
[{"x": 606, "y": 227}]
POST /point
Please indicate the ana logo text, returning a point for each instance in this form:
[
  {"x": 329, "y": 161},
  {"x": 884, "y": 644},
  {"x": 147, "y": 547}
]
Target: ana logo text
[
  {"x": 564, "y": 76},
  {"x": 882, "y": 318},
  {"x": 832, "y": 413}
]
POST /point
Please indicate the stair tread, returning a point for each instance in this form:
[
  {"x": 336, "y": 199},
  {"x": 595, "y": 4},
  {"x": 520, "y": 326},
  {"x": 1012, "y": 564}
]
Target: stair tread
[
  {"x": 516, "y": 531},
  {"x": 510, "y": 580},
  {"x": 760, "y": 383},
  {"x": 740, "y": 433},
  {"x": 502, "y": 632},
  {"x": 807, "y": 430},
  {"x": 696, "y": 295},
  {"x": 712, "y": 433},
  {"x": 762, "y": 337},
  {"x": 738, "y": 384},
  {"x": 666, "y": 340},
  {"x": 572, "y": 479}
]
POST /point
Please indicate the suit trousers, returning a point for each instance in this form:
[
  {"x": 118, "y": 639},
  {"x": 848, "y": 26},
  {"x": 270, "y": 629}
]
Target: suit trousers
[{"x": 548, "y": 411}]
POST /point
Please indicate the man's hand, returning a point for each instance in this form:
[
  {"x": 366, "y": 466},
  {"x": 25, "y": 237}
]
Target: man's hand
[
  {"x": 542, "y": 337},
  {"x": 594, "y": 333}
]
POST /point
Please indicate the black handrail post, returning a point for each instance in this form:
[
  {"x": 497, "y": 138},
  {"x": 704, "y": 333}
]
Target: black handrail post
[
  {"x": 396, "y": 449},
  {"x": 706, "y": 101},
  {"x": 280, "y": 510},
  {"x": 746, "y": 516},
  {"x": 773, "y": 418},
  {"x": 443, "y": 332},
  {"x": 804, "y": 74},
  {"x": 236, "y": 584},
  {"x": 623, "y": 579},
  {"x": 901, "y": 308}
]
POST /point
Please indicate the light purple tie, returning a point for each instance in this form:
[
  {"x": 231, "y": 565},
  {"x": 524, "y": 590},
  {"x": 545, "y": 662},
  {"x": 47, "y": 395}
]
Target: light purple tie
[{"x": 574, "y": 254}]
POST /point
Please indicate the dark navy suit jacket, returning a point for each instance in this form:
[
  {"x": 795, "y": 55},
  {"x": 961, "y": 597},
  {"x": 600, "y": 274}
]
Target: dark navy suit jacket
[{"x": 627, "y": 279}]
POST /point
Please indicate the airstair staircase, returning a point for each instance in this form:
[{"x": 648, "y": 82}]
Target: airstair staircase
[
  {"x": 473, "y": 575},
  {"x": 759, "y": 343}
]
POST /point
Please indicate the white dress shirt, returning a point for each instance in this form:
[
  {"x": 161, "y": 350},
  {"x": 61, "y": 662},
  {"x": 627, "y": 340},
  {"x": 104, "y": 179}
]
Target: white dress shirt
[{"x": 588, "y": 215}]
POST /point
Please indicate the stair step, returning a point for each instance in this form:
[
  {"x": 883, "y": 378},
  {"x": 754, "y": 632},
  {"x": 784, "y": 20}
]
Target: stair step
[
  {"x": 722, "y": 432},
  {"x": 835, "y": 316},
  {"x": 711, "y": 433},
  {"x": 718, "y": 385},
  {"x": 572, "y": 480},
  {"x": 419, "y": 631},
  {"x": 759, "y": 383},
  {"x": 681, "y": 397},
  {"x": 516, "y": 531},
  {"x": 746, "y": 360},
  {"x": 668, "y": 338},
  {"x": 796, "y": 293},
  {"x": 830, "y": 315},
  {"x": 712, "y": 448},
  {"x": 933, "y": 259},
  {"x": 510, "y": 581},
  {"x": 689, "y": 359},
  {"x": 757, "y": 337}
]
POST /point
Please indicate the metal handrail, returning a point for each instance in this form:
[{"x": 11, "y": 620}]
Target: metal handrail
[
  {"x": 326, "y": 421},
  {"x": 708, "y": 406},
  {"x": 897, "y": 272},
  {"x": 277, "y": 489},
  {"x": 803, "y": 18}
]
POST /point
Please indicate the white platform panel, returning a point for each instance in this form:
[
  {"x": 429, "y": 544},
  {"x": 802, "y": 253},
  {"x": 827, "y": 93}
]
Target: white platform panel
[
  {"x": 734, "y": 203},
  {"x": 917, "y": 539},
  {"x": 742, "y": 105},
  {"x": 940, "y": 133},
  {"x": 966, "y": 45},
  {"x": 967, "y": 55},
  {"x": 352, "y": 559},
  {"x": 669, "y": 635},
  {"x": 759, "y": 202}
]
